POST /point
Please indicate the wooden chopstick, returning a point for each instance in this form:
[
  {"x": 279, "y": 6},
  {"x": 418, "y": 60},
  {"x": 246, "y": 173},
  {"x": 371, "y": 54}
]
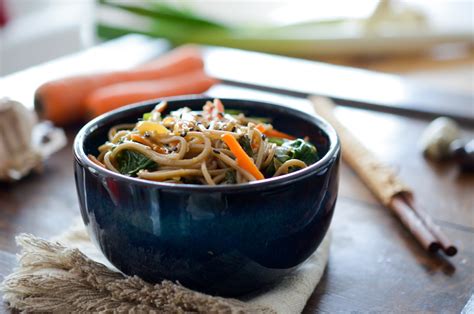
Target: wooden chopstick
[
  {"x": 414, "y": 224},
  {"x": 385, "y": 184},
  {"x": 448, "y": 247}
]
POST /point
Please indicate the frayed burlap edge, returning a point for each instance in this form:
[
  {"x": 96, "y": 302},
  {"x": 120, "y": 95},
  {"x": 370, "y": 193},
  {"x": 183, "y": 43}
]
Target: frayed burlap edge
[{"x": 83, "y": 285}]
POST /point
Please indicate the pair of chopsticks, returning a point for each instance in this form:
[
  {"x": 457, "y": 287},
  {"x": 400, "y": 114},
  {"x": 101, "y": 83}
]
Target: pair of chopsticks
[
  {"x": 428, "y": 234},
  {"x": 385, "y": 184}
]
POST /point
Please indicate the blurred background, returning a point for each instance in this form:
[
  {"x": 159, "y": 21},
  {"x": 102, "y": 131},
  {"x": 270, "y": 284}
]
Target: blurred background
[{"x": 363, "y": 33}]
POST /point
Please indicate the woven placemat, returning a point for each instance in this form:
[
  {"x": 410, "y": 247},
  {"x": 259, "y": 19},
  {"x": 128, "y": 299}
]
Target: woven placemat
[{"x": 69, "y": 274}]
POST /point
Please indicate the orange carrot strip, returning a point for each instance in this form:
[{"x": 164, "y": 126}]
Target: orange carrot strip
[
  {"x": 141, "y": 140},
  {"x": 117, "y": 95},
  {"x": 144, "y": 141},
  {"x": 62, "y": 100},
  {"x": 275, "y": 133},
  {"x": 243, "y": 160},
  {"x": 261, "y": 128}
]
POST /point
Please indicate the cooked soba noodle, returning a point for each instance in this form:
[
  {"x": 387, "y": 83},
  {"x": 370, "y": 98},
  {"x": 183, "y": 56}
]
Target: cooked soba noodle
[{"x": 190, "y": 147}]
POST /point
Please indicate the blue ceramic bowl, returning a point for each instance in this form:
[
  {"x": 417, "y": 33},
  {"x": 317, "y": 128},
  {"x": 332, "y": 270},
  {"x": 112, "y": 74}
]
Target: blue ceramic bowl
[{"x": 224, "y": 240}]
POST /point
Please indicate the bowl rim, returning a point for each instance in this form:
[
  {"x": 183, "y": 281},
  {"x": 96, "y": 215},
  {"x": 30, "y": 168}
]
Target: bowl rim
[{"x": 334, "y": 148}]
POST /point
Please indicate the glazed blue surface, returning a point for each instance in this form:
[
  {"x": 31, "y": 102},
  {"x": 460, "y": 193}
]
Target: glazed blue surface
[{"x": 224, "y": 240}]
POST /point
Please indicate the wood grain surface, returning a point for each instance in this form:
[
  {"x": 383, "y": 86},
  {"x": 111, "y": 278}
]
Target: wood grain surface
[{"x": 374, "y": 264}]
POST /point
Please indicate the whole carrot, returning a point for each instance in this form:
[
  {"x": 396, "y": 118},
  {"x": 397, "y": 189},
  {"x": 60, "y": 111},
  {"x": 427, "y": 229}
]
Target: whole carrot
[
  {"x": 62, "y": 100},
  {"x": 189, "y": 52},
  {"x": 111, "y": 97}
]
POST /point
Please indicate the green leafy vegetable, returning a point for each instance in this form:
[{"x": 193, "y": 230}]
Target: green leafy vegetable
[
  {"x": 297, "y": 149},
  {"x": 276, "y": 140},
  {"x": 130, "y": 162},
  {"x": 282, "y": 154},
  {"x": 244, "y": 141},
  {"x": 270, "y": 170},
  {"x": 302, "y": 150},
  {"x": 230, "y": 177}
]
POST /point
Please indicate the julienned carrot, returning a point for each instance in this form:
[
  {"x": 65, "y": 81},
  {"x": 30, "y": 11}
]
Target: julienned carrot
[
  {"x": 62, "y": 100},
  {"x": 273, "y": 132},
  {"x": 144, "y": 141},
  {"x": 243, "y": 160},
  {"x": 141, "y": 140},
  {"x": 261, "y": 128},
  {"x": 114, "y": 96}
]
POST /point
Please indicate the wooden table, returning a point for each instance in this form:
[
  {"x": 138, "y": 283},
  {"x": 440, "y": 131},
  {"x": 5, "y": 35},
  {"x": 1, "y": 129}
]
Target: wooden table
[{"x": 374, "y": 265}]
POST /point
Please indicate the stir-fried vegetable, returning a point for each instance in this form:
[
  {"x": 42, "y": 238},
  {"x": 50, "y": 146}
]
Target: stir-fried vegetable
[
  {"x": 244, "y": 141},
  {"x": 152, "y": 127},
  {"x": 276, "y": 140},
  {"x": 261, "y": 128},
  {"x": 243, "y": 160},
  {"x": 230, "y": 177},
  {"x": 130, "y": 163},
  {"x": 282, "y": 154},
  {"x": 286, "y": 150},
  {"x": 275, "y": 133},
  {"x": 141, "y": 140},
  {"x": 302, "y": 150},
  {"x": 270, "y": 132},
  {"x": 146, "y": 116}
]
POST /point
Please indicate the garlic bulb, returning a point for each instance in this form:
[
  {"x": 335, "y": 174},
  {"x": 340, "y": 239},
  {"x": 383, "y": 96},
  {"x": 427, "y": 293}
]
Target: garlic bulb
[
  {"x": 437, "y": 137},
  {"x": 22, "y": 145}
]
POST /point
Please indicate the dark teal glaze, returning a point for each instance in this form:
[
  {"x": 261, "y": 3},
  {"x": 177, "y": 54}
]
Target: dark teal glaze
[{"x": 224, "y": 240}]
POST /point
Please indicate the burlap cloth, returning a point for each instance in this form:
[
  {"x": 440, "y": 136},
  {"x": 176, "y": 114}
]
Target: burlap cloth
[{"x": 68, "y": 274}]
